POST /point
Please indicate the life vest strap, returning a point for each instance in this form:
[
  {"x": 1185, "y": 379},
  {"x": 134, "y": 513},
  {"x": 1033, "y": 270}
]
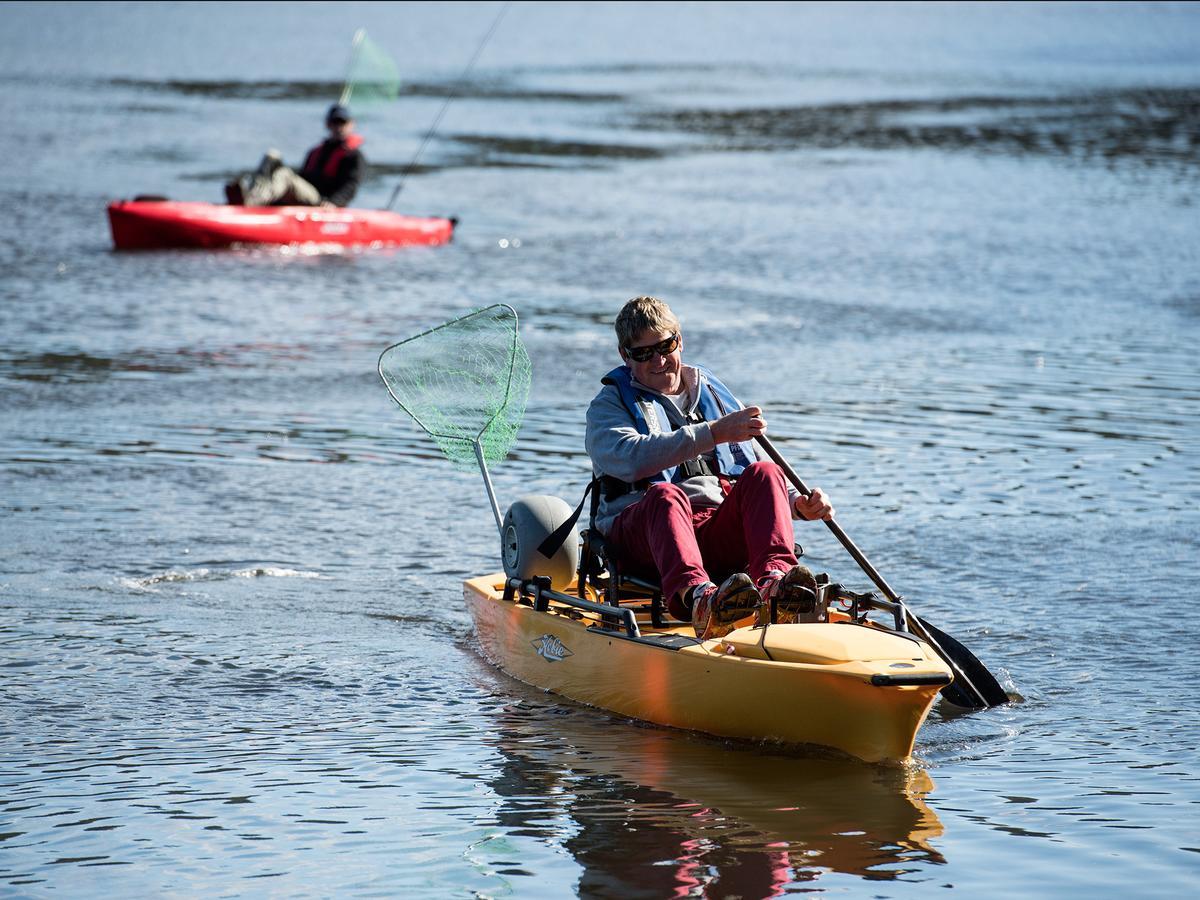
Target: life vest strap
[{"x": 692, "y": 468}]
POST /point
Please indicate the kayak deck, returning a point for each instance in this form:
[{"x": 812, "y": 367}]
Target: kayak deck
[
  {"x": 860, "y": 689},
  {"x": 166, "y": 224}
]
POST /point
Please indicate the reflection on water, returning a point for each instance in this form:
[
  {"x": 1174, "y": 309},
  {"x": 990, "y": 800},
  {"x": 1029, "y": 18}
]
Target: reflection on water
[{"x": 657, "y": 814}]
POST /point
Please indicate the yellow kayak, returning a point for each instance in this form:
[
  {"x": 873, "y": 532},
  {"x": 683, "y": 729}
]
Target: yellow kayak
[{"x": 848, "y": 685}]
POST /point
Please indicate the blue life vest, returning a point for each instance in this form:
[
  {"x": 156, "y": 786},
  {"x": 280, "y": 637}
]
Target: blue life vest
[{"x": 651, "y": 418}]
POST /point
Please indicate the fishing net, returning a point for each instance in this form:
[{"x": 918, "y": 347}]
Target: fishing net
[
  {"x": 372, "y": 76},
  {"x": 465, "y": 383}
]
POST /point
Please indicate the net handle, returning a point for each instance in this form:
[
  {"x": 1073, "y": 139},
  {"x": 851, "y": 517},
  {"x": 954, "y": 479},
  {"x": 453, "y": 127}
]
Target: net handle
[
  {"x": 487, "y": 484},
  {"x": 348, "y": 85}
]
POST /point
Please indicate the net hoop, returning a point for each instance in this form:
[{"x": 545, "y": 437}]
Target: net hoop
[{"x": 468, "y": 395}]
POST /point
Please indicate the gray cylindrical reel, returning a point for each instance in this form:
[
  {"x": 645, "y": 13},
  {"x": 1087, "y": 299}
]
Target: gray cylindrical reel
[{"x": 528, "y": 522}]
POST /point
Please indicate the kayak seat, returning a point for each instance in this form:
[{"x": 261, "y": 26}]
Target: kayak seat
[{"x": 600, "y": 572}]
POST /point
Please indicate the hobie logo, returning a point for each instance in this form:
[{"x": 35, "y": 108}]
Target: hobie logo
[{"x": 551, "y": 648}]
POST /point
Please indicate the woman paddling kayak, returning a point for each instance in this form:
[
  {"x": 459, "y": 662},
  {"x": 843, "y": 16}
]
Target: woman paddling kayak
[{"x": 684, "y": 494}]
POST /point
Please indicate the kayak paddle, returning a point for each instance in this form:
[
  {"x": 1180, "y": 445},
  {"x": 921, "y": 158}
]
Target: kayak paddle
[{"x": 974, "y": 687}]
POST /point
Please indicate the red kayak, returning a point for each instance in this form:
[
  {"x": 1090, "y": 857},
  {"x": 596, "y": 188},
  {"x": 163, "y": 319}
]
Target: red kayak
[{"x": 162, "y": 224}]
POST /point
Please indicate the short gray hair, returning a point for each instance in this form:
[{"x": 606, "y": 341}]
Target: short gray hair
[{"x": 643, "y": 314}]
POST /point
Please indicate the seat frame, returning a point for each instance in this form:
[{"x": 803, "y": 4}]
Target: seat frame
[{"x": 599, "y": 571}]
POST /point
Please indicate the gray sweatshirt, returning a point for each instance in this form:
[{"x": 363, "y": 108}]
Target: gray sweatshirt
[{"x": 617, "y": 448}]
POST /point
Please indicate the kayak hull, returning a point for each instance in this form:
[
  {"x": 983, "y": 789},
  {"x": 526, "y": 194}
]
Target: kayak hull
[
  {"x": 161, "y": 225},
  {"x": 807, "y": 694}
]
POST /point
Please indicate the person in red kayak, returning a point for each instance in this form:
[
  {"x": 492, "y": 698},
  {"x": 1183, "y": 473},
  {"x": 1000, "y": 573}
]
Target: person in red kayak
[
  {"x": 330, "y": 176},
  {"x": 682, "y": 489}
]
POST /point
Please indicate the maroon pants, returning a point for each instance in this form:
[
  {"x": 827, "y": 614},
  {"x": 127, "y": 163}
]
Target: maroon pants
[{"x": 751, "y": 532}]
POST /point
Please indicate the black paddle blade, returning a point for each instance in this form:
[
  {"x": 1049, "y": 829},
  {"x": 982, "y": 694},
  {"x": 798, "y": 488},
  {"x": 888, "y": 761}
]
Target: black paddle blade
[{"x": 961, "y": 658}]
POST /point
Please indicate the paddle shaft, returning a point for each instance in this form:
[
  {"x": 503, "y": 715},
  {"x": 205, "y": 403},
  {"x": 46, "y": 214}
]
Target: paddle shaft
[
  {"x": 833, "y": 526},
  {"x": 865, "y": 564}
]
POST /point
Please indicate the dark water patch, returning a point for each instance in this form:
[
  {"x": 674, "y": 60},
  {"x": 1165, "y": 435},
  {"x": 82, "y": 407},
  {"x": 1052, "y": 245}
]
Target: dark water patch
[
  {"x": 214, "y": 178},
  {"x": 492, "y": 146},
  {"x": 383, "y": 169},
  {"x": 500, "y": 152},
  {"x": 1187, "y": 305},
  {"x": 149, "y": 109},
  {"x": 505, "y": 90},
  {"x": 173, "y": 155},
  {"x": 220, "y": 89},
  {"x": 1155, "y": 125},
  {"x": 579, "y": 324},
  {"x": 69, "y": 368},
  {"x": 670, "y": 67},
  {"x": 470, "y": 89},
  {"x": 481, "y": 161},
  {"x": 61, "y": 367}
]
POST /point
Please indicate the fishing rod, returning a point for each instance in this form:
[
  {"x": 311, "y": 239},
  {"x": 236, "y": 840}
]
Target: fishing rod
[{"x": 453, "y": 93}]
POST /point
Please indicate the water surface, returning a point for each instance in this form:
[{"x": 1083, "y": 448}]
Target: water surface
[{"x": 950, "y": 250}]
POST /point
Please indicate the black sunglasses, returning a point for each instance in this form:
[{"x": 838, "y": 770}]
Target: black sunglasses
[{"x": 662, "y": 348}]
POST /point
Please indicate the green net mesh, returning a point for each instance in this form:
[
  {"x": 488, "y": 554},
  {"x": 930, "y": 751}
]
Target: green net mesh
[
  {"x": 465, "y": 383},
  {"x": 372, "y": 76}
]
